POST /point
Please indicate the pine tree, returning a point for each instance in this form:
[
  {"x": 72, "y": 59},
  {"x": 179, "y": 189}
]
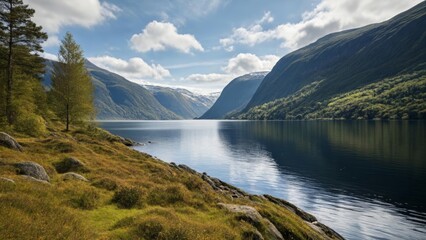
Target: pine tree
[
  {"x": 22, "y": 39},
  {"x": 72, "y": 88}
]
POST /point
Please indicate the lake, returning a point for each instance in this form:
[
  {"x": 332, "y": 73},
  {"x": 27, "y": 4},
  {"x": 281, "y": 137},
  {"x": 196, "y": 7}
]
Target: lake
[{"x": 365, "y": 179}]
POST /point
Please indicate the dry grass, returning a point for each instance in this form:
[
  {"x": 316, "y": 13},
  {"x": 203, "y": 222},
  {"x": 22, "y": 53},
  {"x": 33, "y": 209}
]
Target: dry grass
[{"x": 165, "y": 202}]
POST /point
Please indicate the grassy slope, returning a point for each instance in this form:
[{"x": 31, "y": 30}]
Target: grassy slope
[
  {"x": 348, "y": 60},
  {"x": 173, "y": 204},
  {"x": 400, "y": 97}
]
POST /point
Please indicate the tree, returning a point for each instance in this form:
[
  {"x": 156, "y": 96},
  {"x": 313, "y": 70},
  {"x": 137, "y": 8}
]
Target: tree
[
  {"x": 72, "y": 88},
  {"x": 20, "y": 37}
]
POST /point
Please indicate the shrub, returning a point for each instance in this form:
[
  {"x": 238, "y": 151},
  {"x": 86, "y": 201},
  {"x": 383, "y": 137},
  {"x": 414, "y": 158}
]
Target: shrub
[
  {"x": 127, "y": 197},
  {"x": 30, "y": 124},
  {"x": 105, "y": 183},
  {"x": 168, "y": 195},
  {"x": 150, "y": 228},
  {"x": 88, "y": 200}
]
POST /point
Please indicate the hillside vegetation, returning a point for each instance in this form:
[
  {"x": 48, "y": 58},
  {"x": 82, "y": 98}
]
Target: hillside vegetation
[
  {"x": 130, "y": 195},
  {"x": 401, "y": 97},
  {"x": 345, "y": 63}
]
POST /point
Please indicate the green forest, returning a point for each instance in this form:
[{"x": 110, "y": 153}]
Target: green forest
[{"x": 401, "y": 97}]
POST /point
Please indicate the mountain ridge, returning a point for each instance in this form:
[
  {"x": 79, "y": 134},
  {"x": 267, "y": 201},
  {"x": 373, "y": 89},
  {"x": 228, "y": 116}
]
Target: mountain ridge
[
  {"x": 235, "y": 96},
  {"x": 350, "y": 54}
]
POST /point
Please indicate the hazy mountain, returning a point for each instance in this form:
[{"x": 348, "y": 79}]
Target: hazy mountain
[
  {"x": 235, "y": 96},
  {"x": 307, "y": 79},
  {"x": 118, "y": 98},
  {"x": 182, "y": 102}
]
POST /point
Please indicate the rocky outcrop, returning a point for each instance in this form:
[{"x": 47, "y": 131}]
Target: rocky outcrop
[
  {"x": 7, "y": 141},
  {"x": 299, "y": 212},
  {"x": 305, "y": 216},
  {"x": 252, "y": 216},
  {"x": 70, "y": 164},
  {"x": 73, "y": 176},
  {"x": 32, "y": 169}
]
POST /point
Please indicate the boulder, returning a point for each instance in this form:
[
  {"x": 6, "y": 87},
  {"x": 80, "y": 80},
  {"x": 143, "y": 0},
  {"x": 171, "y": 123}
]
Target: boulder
[
  {"x": 251, "y": 215},
  {"x": 32, "y": 169},
  {"x": 73, "y": 176},
  {"x": 7, "y": 141},
  {"x": 69, "y": 164},
  {"x": 29, "y": 178}
]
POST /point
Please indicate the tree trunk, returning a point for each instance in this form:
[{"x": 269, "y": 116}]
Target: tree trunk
[
  {"x": 68, "y": 118},
  {"x": 9, "y": 111}
]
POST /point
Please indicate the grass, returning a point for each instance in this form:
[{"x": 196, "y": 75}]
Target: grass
[{"x": 129, "y": 196}]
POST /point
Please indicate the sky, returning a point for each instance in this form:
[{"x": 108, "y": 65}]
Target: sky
[{"x": 200, "y": 45}]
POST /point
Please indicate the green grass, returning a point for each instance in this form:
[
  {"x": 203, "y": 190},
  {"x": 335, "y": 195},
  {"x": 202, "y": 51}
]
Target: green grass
[{"x": 129, "y": 196}]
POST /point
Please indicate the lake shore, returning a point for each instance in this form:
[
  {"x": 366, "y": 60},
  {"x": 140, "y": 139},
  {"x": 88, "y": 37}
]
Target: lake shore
[{"x": 124, "y": 193}]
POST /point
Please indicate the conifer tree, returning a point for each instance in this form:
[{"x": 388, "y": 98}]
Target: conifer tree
[
  {"x": 72, "y": 88},
  {"x": 21, "y": 38}
]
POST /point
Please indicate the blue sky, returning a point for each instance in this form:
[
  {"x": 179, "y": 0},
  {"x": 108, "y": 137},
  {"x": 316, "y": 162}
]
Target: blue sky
[{"x": 199, "y": 44}]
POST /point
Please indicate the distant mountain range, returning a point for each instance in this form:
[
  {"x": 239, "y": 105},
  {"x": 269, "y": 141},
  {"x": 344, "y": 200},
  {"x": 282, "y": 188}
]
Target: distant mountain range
[
  {"x": 119, "y": 98},
  {"x": 182, "y": 102},
  {"x": 377, "y": 71},
  {"x": 235, "y": 96}
]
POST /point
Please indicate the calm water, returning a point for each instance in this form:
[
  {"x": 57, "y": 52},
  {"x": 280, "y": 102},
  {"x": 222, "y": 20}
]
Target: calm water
[{"x": 367, "y": 180}]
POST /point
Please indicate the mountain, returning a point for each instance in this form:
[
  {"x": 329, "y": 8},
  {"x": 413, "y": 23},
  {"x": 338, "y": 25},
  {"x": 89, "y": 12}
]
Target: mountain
[
  {"x": 309, "y": 78},
  {"x": 182, "y": 102},
  {"x": 118, "y": 98},
  {"x": 235, "y": 96}
]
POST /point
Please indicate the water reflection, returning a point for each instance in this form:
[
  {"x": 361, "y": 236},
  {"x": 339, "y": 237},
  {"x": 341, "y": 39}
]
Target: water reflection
[{"x": 365, "y": 179}]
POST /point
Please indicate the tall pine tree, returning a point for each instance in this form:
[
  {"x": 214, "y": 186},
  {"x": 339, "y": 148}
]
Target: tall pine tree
[
  {"x": 21, "y": 39},
  {"x": 72, "y": 88}
]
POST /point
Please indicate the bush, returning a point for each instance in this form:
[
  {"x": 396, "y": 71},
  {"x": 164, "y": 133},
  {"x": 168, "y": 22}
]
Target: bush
[
  {"x": 32, "y": 125},
  {"x": 88, "y": 200},
  {"x": 155, "y": 227},
  {"x": 105, "y": 183},
  {"x": 150, "y": 228},
  {"x": 168, "y": 195},
  {"x": 127, "y": 197}
]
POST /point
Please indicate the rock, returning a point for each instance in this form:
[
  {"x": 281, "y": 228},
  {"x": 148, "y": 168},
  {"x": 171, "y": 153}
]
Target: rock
[
  {"x": 328, "y": 231},
  {"x": 74, "y": 176},
  {"x": 251, "y": 215},
  {"x": 127, "y": 142},
  {"x": 8, "y": 180},
  {"x": 32, "y": 169},
  {"x": 299, "y": 212},
  {"x": 69, "y": 165},
  {"x": 7, "y": 141},
  {"x": 224, "y": 187},
  {"x": 29, "y": 178},
  {"x": 188, "y": 169}
]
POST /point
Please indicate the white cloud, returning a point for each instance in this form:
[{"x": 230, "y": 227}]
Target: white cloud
[
  {"x": 49, "y": 56},
  {"x": 208, "y": 78},
  {"x": 53, "y": 15},
  {"x": 158, "y": 36},
  {"x": 267, "y": 18},
  {"x": 135, "y": 69},
  {"x": 51, "y": 41},
  {"x": 328, "y": 16},
  {"x": 239, "y": 65},
  {"x": 245, "y": 63}
]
